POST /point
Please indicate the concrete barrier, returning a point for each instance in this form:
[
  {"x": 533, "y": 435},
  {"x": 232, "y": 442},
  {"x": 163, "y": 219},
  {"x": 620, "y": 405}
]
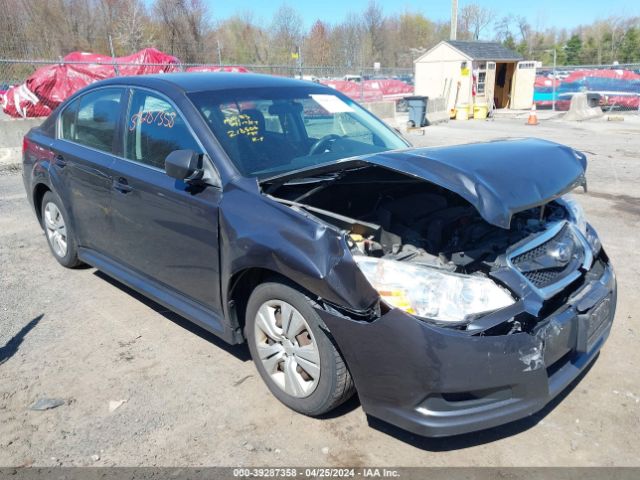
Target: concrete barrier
[
  {"x": 13, "y": 129},
  {"x": 384, "y": 109},
  {"x": 11, "y": 132},
  {"x": 437, "y": 110},
  {"x": 579, "y": 109}
]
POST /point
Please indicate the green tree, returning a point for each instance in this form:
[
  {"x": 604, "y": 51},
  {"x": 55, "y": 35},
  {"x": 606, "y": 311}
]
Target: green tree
[
  {"x": 573, "y": 50},
  {"x": 630, "y": 47}
]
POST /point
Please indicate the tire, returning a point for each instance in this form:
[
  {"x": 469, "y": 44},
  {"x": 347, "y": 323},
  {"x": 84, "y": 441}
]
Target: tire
[
  {"x": 312, "y": 391},
  {"x": 59, "y": 232}
]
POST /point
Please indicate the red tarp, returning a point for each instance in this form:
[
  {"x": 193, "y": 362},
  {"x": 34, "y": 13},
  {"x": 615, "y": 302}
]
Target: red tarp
[
  {"x": 544, "y": 81},
  {"x": 213, "y": 68},
  {"x": 48, "y": 86},
  {"x": 371, "y": 90},
  {"x": 620, "y": 74}
]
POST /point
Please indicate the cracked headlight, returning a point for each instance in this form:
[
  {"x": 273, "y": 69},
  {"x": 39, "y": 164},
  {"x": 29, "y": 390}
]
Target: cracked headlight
[
  {"x": 579, "y": 220},
  {"x": 433, "y": 294}
]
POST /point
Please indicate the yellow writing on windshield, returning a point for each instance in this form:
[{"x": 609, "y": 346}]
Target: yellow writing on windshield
[{"x": 242, "y": 124}]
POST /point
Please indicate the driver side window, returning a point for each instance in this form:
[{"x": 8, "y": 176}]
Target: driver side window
[{"x": 154, "y": 129}]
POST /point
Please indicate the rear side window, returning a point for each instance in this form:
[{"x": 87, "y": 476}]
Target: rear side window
[
  {"x": 68, "y": 121},
  {"x": 154, "y": 129},
  {"x": 92, "y": 119}
]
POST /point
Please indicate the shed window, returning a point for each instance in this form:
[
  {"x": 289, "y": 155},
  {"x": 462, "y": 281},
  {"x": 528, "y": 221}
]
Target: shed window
[{"x": 482, "y": 77}]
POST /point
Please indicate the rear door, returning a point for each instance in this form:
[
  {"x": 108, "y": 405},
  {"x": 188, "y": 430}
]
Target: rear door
[
  {"x": 166, "y": 229},
  {"x": 83, "y": 155}
]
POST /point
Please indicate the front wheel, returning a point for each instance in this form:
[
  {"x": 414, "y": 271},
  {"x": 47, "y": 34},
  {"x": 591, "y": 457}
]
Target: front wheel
[{"x": 293, "y": 353}]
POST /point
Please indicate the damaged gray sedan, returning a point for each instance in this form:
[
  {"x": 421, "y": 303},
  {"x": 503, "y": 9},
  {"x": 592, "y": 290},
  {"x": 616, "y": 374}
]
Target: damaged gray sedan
[{"x": 454, "y": 289}]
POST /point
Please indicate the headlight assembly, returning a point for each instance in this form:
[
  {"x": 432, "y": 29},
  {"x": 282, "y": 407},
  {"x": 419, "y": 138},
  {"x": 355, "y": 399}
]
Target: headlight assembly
[
  {"x": 578, "y": 218},
  {"x": 432, "y": 294}
]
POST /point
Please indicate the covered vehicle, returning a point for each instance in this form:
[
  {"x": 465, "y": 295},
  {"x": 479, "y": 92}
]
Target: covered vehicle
[
  {"x": 371, "y": 90},
  {"x": 616, "y": 88},
  {"x": 50, "y": 85},
  {"x": 453, "y": 288}
]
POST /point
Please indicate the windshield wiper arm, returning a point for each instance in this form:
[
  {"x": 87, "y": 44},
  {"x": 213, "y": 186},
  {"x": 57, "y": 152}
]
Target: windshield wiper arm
[{"x": 324, "y": 180}]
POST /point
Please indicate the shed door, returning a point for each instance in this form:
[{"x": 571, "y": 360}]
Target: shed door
[
  {"x": 490, "y": 82},
  {"x": 522, "y": 87}
]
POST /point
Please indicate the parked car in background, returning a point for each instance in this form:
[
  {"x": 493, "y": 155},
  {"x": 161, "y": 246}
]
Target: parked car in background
[
  {"x": 352, "y": 78},
  {"x": 453, "y": 288}
]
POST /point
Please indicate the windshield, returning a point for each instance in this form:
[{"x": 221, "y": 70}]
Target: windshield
[{"x": 269, "y": 131}]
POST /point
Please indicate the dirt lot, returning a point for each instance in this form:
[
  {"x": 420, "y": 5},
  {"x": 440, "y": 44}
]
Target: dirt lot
[{"x": 191, "y": 400}]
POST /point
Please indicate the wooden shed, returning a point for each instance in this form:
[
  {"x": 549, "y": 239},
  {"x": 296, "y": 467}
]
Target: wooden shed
[{"x": 467, "y": 72}]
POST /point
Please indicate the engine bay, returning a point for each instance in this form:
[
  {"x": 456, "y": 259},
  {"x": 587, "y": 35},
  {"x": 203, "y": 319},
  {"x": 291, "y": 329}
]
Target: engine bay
[{"x": 395, "y": 216}]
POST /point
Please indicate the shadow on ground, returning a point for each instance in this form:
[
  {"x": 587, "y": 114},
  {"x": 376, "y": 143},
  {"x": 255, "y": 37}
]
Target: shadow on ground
[
  {"x": 12, "y": 346},
  {"x": 241, "y": 352},
  {"x": 457, "y": 442}
]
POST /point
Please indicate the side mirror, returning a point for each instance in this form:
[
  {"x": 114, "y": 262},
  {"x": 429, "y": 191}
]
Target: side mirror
[{"x": 183, "y": 165}]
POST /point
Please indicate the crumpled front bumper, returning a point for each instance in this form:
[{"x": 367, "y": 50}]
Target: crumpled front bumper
[{"x": 437, "y": 381}]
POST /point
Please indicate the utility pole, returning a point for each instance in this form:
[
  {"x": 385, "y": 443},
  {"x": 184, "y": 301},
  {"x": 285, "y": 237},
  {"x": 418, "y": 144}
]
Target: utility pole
[
  {"x": 553, "y": 82},
  {"x": 553, "y": 77},
  {"x": 454, "y": 20},
  {"x": 219, "y": 52},
  {"x": 113, "y": 56}
]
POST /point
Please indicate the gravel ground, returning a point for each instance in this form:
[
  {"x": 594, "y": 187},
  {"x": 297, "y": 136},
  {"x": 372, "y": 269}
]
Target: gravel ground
[{"x": 141, "y": 386}]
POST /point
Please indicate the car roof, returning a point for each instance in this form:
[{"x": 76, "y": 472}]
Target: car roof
[{"x": 207, "y": 81}]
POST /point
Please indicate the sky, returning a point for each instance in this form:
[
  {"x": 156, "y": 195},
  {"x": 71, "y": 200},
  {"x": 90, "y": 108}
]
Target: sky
[{"x": 540, "y": 13}]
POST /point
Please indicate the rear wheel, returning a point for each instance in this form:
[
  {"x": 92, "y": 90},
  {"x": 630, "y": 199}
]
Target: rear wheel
[
  {"x": 60, "y": 235},
  {"x": 292, "y": 351}
]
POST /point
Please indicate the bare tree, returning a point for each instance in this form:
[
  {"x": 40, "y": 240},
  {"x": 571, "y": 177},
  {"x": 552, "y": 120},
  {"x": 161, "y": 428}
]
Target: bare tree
[
  {"x": 317, "y": 46},
  {"x": 132, "y": 28},
  {"x": 373, "y": 23},
  {"x": 473, "y": 19},
  {"x": 242, "y": 40},
  {"x": 184, "y": 25},
  {"x": 286, "y": 35}
]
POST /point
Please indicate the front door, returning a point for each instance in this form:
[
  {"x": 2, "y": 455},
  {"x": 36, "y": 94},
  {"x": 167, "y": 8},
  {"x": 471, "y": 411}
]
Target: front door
[{"x": 166, "y": 229}]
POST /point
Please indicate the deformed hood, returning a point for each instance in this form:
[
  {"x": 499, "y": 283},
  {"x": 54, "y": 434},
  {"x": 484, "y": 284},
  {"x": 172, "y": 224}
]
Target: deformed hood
[{"x": 498, "y": 178}]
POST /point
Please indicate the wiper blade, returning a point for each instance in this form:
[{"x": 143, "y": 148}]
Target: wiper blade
[
  {"x": 324, "y": 180},
  {"x": 328, "y": 177}
]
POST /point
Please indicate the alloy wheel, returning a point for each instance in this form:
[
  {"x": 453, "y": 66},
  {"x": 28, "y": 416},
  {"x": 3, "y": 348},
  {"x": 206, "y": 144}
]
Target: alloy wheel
[
  {"x": 56, "y": 229},
  {"x": 287, "y": 348}
]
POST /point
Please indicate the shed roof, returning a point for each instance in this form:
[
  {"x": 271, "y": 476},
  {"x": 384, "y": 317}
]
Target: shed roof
[{"x": 485, "y": 50}]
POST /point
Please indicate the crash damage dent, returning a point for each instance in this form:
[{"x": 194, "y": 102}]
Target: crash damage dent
[
  {"x": 274, "y": 237},
  {"x": 531, "y": 172},
  {"x": 499, "y": 178},
  {"x": 439, "y": 381}
]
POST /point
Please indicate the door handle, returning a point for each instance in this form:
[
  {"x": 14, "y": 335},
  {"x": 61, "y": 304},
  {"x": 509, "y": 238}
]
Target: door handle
[
  {"x": 60, "y": 161},
  {"x": 121, "y": 185}
]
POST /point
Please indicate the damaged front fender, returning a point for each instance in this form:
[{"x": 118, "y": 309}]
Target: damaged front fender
[{"x": 259, "y": 233}]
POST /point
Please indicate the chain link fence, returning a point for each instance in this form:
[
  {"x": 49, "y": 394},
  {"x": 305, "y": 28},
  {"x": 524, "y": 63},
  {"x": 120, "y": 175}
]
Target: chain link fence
[
  {"x": 615, "y": 88},
  {"x": 33, "y": 88}
]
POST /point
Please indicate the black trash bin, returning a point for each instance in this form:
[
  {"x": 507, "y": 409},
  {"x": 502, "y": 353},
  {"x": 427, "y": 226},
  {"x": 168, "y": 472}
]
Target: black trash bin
[
  {"x": 593, "y": 99},
  {"x": 417, "y": 110}
]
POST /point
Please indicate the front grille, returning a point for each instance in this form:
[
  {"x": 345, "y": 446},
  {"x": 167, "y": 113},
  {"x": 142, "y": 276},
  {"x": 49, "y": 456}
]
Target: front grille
[
  {"x": 552, "y": 260},
  {"x": 543, "y": 278}
]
